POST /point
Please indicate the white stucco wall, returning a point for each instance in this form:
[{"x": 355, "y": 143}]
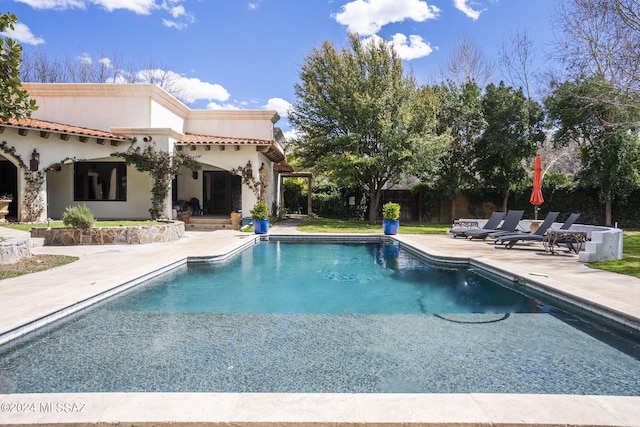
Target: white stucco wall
[
  {"x": 135, "y": 207},
  {"x": 240, "y": 123},
  {"x": 104, "y": 106}
]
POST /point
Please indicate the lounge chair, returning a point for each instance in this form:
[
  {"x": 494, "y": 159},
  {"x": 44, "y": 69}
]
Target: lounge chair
[
  {"x": 491, "y": 224},
  {"x": 510, "y": 223},
  {"x": 510, "y": 240}
]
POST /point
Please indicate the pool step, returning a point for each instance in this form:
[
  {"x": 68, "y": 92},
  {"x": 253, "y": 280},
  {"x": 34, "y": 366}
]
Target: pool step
[{"x": 209, "y": 223}]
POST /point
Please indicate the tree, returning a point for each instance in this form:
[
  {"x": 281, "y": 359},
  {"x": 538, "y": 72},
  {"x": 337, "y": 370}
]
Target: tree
[
  {"x": 14, "y": 102},
  {"x": 359, "y": 117},
  {"x": 514, "y": 128},
  {"x": 606, "y": 134},
  {"x": 517, "y": 59},
  {"x": 467, "y": 63},
  {"x": 599, "y": 38},
  {"x": 162, "y": 167},
  {"x": 461, "y": 117}
]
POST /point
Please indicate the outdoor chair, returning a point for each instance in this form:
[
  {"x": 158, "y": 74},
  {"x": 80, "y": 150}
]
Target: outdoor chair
[
  {"x": 510, "y": 223},
  {"x": 492, "y": 223},
  {"x": 509, "y": 240}
]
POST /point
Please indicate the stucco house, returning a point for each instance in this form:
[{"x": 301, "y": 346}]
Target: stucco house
[{"x": 78, "y": 126}]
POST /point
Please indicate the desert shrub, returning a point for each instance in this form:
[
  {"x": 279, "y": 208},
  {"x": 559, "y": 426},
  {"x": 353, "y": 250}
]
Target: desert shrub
[{"x": 78, "y": 217}]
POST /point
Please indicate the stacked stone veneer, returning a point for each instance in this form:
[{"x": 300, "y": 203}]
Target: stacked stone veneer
[
  {"x": 12, "y": 250},
  {"x": 130, "y": 235}
]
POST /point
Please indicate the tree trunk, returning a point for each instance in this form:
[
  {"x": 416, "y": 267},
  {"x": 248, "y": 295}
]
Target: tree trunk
[
  {"x": 374, "y": 200},
  {"x": 607, "y": 220},
  {"x": 453, "y": 209},
  {"x": 505, "y": 200}
]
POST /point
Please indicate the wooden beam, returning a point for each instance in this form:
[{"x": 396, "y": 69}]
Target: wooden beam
[
  {"x": 1, "y": 129},
  {"x": 207, "y": 148},
  {"x": 178, "y": 147},
  {"x": 236, "y": 147},
  {"x": 44, "y": 134},
  {"x": 192, "y": 147},
  {"x": 65, "y": 136},
  {"x": 23, "y": 132},
  {"x": 83, "y": 138},
  {"x": 263, "y": 148},
  {"x": 100, "y": 141},
  {"x": 222, "y": 147},
  {"x": 115, "y": 142}
]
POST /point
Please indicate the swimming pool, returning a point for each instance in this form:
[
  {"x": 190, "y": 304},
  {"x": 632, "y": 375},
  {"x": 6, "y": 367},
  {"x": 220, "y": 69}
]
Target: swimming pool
[{"x": 131, "y": 344}]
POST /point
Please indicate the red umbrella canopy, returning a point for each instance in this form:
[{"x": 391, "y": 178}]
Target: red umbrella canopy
[{"x": 536, "y": 198}]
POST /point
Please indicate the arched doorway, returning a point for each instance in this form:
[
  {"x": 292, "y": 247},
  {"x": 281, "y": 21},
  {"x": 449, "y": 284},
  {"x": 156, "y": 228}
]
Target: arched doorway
[{"x": 9, "y": 185}]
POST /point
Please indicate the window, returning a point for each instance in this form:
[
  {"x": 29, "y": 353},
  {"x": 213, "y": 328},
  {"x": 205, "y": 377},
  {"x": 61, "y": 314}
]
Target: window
[{"x": 95, "y": 181}]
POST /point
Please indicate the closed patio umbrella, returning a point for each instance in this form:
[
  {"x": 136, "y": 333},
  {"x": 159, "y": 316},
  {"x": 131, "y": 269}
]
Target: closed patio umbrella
[{"x": 536, "y": 198}]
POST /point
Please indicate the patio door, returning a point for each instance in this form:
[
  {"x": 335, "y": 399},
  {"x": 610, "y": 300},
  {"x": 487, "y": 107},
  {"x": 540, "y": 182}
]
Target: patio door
[{"x": 222, "y": 192}]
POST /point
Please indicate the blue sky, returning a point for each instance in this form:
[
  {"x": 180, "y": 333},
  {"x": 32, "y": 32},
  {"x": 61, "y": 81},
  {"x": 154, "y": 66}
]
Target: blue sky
[{"x": 247, "y": 53}]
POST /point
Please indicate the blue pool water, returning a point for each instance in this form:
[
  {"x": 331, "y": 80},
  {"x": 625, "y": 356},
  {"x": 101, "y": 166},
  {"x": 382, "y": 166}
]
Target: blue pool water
[
  {"x": 284, "y": 317},
  {"x": 327, "y": 279}
]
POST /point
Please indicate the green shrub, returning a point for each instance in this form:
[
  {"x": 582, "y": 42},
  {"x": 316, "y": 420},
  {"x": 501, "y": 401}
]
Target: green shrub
[
  {"x": 78, "y": 217},
  {"x": 260, "y": 211},
  {"x": 391, "y": 211}
]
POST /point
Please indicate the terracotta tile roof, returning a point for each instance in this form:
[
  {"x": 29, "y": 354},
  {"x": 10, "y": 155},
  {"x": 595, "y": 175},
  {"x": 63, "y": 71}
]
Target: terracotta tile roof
[
  {"x": 270, "y": 148},
  {"x": 45, "y": 125},
  {"x": 196, "y": 138},
  {"x": 283, "y": 166}
]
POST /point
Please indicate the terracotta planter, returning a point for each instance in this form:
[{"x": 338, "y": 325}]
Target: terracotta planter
[
  {"x": 236, "y": 219},
  {"x": 184, "y": 218},
  {"x": 4, "y": 209}
]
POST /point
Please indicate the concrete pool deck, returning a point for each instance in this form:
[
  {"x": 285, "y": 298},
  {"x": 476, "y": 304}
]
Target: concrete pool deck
[{"x": 28, "y": 298}]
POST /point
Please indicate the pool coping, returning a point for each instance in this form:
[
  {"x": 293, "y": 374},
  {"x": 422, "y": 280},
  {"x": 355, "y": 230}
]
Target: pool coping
[{"x": 253, "y": 409}]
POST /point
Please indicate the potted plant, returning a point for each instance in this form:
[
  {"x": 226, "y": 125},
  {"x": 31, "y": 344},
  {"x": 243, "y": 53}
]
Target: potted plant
[
  {"x": 260, "y": 216},
  {"x": 5, "y": 201},
  {"x": 390, "y": 218}
]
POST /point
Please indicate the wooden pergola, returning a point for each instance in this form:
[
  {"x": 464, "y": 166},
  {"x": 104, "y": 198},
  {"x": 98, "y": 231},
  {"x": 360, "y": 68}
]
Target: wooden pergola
[{"x": 307, "y": 175}]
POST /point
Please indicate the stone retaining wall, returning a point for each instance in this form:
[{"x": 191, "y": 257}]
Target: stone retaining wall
[
  {"x": 129, "y": 235},
  {"x": 12, "y": 250}
]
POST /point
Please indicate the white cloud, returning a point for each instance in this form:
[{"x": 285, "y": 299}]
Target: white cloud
[
  {"x": 85, "y": 59},
  {"x": 54, "y": 4},
  {"x": 143, "y": 7},
  {"x": 464, "y": 7},
  {"x": 22, "y": 34},
  {"x": 218, "y": 106},
  {"x": 414, "y": 48},
  {"x": 407, "y": 49},
  {"x": 190, "y": 89},
  {"x": 280, "y": 105},
  {"x": 367, "y": 17},
  {"x": 253, "y": 5},
  {"x": 106, "y": 62},
  {"x": 194, "y": 89},
  {"x": 181, "y": 18},
  {"x": 291, "y": 134}
]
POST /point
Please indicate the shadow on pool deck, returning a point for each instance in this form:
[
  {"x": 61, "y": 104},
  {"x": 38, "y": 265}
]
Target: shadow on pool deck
[{"x": 100, "y": 268}]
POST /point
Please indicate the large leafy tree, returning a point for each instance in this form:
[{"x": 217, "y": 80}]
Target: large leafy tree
[
  {"x": 606, "y": 133},
  {"x": 513, "y": 131},
  {"x": 461, "y": 117},
  {"x": 360, "y": 118},
  {"x": 14, "y": 102}
]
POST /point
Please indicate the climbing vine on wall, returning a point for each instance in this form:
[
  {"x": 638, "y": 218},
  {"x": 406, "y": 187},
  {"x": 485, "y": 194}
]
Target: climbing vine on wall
[
  {"x": 162, "y": 167},
  {"x": 259, "y": 185},
  {"x": 33, "y": 202}
]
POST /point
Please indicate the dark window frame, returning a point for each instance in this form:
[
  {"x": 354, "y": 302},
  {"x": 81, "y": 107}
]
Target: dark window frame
[{"x": 92, "y": 182}]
